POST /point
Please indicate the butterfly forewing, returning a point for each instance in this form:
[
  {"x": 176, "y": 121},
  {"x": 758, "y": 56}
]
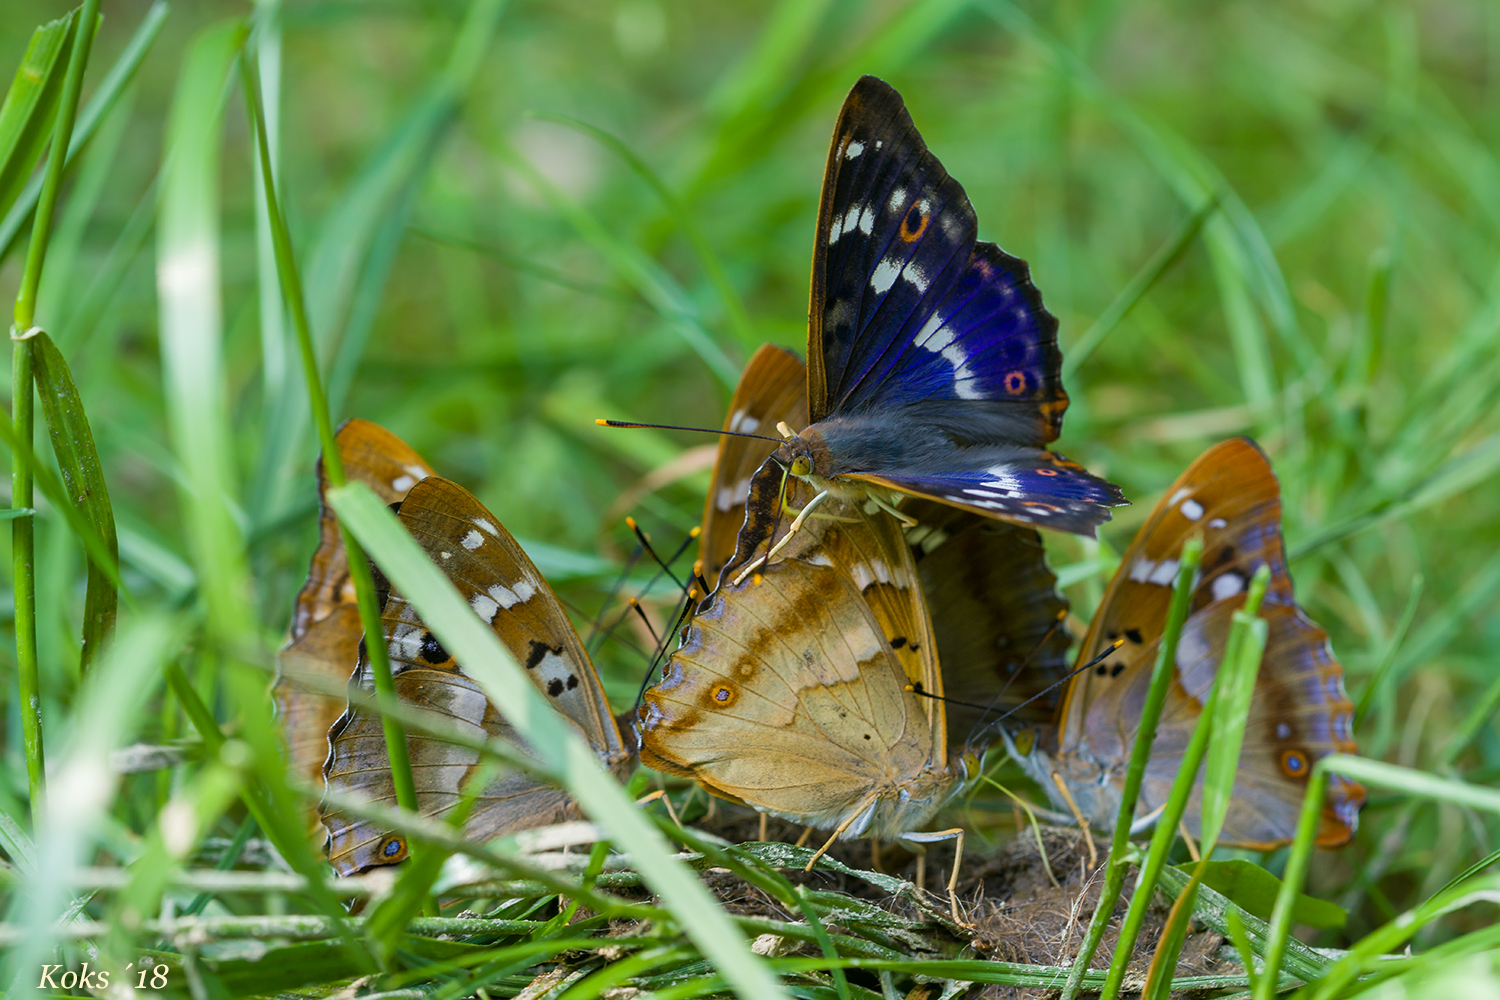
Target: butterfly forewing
[
  {"x": 504, "y": 588},
  {"x": 772, "y": 389},
  {"x": 933, "y": 368}
]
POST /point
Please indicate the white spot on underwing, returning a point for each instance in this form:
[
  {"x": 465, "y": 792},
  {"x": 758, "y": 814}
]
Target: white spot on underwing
[
  {"x": 1217, "y": 523},
  {"x": 1192, "y": 510},
  {"x": 731, "y": 495},
  {"x": 472, "y": 540},
  {"x": 487, "y": 526},
  {"x": 402, "y": 483},
  {"x": 484, "y": 606},
  {"x": 1227, "y": 585},
  {"x": 853, "y": 149},
  {"x": 508, "y": 597}
]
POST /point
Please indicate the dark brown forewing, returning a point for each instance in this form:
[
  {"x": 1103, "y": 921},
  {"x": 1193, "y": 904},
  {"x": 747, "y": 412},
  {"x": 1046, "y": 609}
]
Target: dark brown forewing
[
  {"x": 773, "y": 388},
  {"x": 371, "y": 455},
  {"x": 504, "y": 588},
  {"x": 997, "y": 615}
]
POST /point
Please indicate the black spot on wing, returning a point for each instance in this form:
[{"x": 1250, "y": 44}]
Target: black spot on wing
[{"x": 432, "y": 651}]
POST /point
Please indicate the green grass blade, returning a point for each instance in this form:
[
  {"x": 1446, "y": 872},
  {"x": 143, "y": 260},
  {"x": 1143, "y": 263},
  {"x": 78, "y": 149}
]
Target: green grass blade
[
  {"x": 634, "y": 266},
  {"x": 23, "y": 540},
  {"x": 110, "y": 88},
  {"x": 1234, "y": 687},
  {"x": 1228, "y": 706},
  {"x": 111, "y": 707},
  {"x": 1162, "y": 673},
  {"x": 83, "y": 475},
  {"x": 1160, "y": 263},
  {"x": 188, "y": 289},
  {"x": 26, "y": 118},
  {"x": 1382, "y": 670},
  {"x": 348, "y": 261},
  {"x": 1378, "y": 774},
  {"x": 734, "y": 306},
  {"x": 557, "y": 745}
]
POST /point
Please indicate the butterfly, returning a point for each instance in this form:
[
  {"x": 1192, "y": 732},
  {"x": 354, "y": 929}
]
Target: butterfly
[
  {"x": 793, "y": 690},
  {"x": 933, "y": 368},
  {"x": 505, "y": 589},
  {"x": 1299, "y": 712},
  {"x": 325, "y": 628},
  {"x": 994, "y": 604}
]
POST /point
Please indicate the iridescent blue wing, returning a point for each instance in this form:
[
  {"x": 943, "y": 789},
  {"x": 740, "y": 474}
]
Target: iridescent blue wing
[
  {"x": 1026, "y": 485},
  {"x": 906, "y": 307}
]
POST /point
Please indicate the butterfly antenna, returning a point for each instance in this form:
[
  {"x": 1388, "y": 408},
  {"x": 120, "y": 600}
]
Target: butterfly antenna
[
  {"x": 666, "y": 565},
  {"x": 1103, "y": 655},
  {"x": 597, "y": 634},
  {"x": 693, "y": 595},
  {"x": 662, "y": 569},
  {"x": 979, "y": 726},
  {"x": 640, "y": 613},
  {"x": 602, "y": 422}
]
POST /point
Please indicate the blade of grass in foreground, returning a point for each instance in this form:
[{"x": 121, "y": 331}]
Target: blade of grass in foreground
[
  {"x": 89, "y": 119},
  {"x": 1161, "y": 676},
  {"x": 23, "y": 538},
  {"x": 30, "y": 104},
  {"x": 109, "y": 710},
  {"x": 83, "y": 475},
  {"x": 556, "y": 744},
  {"x": 1379, "y": 775},
  {"x": 1223, "y": 723},
  {"x": 290, "y": 284}
]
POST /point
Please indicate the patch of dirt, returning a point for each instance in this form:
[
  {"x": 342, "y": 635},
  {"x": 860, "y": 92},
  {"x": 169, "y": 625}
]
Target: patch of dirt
[{"x": 1024, "y": 902}]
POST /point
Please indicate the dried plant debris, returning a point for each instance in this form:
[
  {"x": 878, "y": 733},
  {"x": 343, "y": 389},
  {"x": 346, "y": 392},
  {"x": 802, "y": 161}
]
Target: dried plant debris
[{"x": 1027, "y": 902}]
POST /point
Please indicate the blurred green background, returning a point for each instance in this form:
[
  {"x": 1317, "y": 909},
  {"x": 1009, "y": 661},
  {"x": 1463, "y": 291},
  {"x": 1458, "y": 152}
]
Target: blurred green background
[{"x": 486, "y": 280}]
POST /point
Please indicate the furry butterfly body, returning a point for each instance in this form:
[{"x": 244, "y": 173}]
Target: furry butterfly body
[
  {"x": 505, "y": 589},
  {"x": 933, "y": 368},
  {"x": 1298, "y": 713}
]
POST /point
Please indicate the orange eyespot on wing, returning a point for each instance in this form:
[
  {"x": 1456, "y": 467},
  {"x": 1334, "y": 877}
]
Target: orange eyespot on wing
[{"x": 914, "y": 224}]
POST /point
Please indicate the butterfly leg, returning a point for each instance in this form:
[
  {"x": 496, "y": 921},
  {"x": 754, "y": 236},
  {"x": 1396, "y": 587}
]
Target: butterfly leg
[
  {"x": 1083, "y": 824},
  {"x": 854, "y": 815},
  {"x": 957, "y": 836},
  {"x": 907, "y": 521},
  {"x": 802, "y": 516}
]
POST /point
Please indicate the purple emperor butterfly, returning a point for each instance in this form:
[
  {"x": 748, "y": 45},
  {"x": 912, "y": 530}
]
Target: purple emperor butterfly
[
  {"x": 1298, "y": 713},
  {"x": 995, "y": 608},
  {"x": 325, "y": 626},
  {"x": 504, "y": 588},
  {"x": 792, "y": 690},
  {"x": 933, "y": 368}
]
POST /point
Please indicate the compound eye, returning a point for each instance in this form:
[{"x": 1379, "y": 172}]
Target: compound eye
[{"x": 801, "y": 465}]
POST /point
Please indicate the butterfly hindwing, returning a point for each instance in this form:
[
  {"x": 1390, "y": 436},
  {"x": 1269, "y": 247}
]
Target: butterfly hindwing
[
  {"x": 996, "y": 614},
  {"x": 505, "y": 589}
]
